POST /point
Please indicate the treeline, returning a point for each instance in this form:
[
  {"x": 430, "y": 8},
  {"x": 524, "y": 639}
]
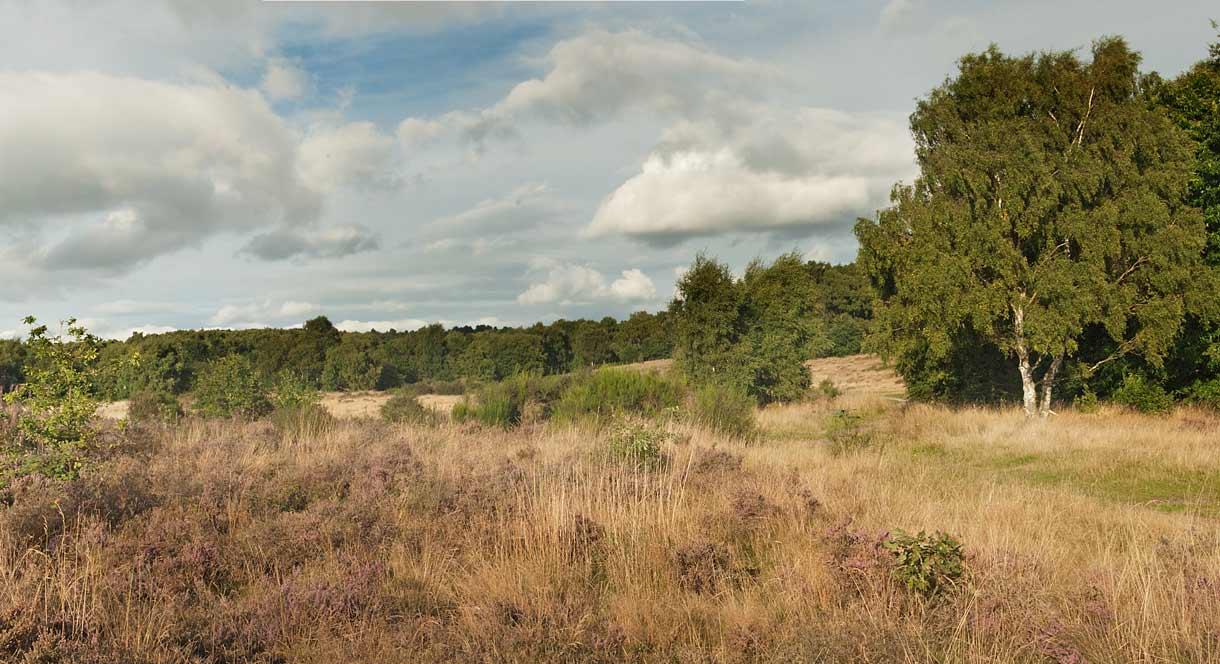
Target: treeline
[{"x": 326, "y": 358}]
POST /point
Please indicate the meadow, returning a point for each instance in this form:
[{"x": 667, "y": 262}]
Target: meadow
[{"x": 1085, "y": 538}]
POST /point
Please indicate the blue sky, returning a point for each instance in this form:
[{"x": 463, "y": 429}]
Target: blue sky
[{"x": 236, "y": 163}]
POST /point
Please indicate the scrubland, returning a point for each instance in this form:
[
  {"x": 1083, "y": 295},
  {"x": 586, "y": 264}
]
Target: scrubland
[{"x": 1086, "y": 538}]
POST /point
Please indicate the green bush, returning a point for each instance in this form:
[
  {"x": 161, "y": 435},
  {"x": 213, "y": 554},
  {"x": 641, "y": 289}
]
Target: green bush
[
  {"x": 828, "y": 389},
  {"x": 404, "y": 408},
  {"x": 293, "y": 391},
  {"x": 463, "y": 411},
  {"x": 1143, "y": 395},
  {"x": 230, "y": 387},
  {"x": 1205, "y": 393},
  {"x": 154, "y": 406},
  {"x": 56, "y": 402},
  {"x": 525, "y": 397},
  {"x": 1087, "y": 402},
  {"x": 725, "y": 410},
  {"x": 638, "y": 442},
  {"x": 610, "y": 392},
  {"x": 926, "y": 564}
]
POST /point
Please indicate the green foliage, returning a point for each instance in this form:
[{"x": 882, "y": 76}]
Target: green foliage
[
  {"x": 352, "y": 366},
  {"x": 1205, "y": 393},
  {"x": 754, "y": 334},
  {"x": 495, "y": 356},
  {"x": 1087, "y": 402},
  {"x": 614, "y": 392},
  {"x": 926, "y": 564},
  {"x": 303, "y": 423},
  {"x": 292, "y": 390},
  {"x": 1049, "y": 205},
  {"x": 522, "y": 398},
  {"x": 725, "y": 410},
  {"x": 1143, "y": 395},
  {"x": 12, "y": 364},
  {"x": 828, "y": 389},
  {"x": 638, "y": 442},
  {"x": 230, "y": 387},
  {"x": 404, "y": 408},
  {"x": 57, "y": 400},
  {"x": 846, "y": 432},
  {"x": 154, "y": 406}
]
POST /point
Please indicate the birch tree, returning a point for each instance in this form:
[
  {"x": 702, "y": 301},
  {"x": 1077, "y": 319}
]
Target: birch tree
[{"x": 1051, "y": 201}]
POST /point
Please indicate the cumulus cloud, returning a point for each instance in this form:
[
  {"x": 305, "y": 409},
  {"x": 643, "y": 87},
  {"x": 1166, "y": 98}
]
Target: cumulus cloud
[
  {"x": 782, "y": 171},
  {"x": 599, "y": 76},
  {"x": 126, "y": 169},
  {"x": 896, "y": 14},
  {"x": 283, "y": 80},
  {"x": 259, "y": 314},
  {"x": 355, "y": 154},
  {"x": 569, "y": 283},
  {"x": 330, "y": 242}
]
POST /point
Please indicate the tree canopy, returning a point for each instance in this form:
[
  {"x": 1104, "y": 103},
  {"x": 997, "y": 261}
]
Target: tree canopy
[{"x": 1051, "y": 201}]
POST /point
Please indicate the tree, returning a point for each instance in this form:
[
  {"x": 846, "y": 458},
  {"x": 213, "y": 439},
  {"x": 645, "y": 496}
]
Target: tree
[
  {"x": 781, "y": 319},
  {"x": 1050, "y": 203},
  {"x": 231, "y": 387},
  {"x": 57, "y": 399},
  {"x": 706, "y": 320},
  {"x": 12, "y": 364}
]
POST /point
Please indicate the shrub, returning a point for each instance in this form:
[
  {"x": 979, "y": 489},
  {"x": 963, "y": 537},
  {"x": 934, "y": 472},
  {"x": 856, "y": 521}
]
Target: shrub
[
  {"x": 293, "y": 390},
  {"x": 610, "y": 392},
  {"x": 230, "y": 387},
  {"x": 1086, "y": 402},
  {"x": 154, "y": 406},
  {"x": 524, "y": 397},
  {"x": 926, "y": 564},
  {"x": 404, "y": 408},
  {"x": 844, "y": 430},
  {"x": 637, "y": 442},
  {"x": 828, "y": 389},
  {"x": 56, "y": 401},
  {"x": 1143, "y": 395},
  {"x": 1205, "y": 393},
  {"x": 462, "y": 411},
  {"x": 724, "y": 410}
]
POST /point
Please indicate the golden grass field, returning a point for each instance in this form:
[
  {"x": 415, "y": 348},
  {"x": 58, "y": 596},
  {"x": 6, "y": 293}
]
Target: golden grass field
[{"x": 1089, "y": 538}]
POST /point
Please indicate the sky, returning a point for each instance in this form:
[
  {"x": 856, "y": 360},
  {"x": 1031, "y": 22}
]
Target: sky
[{"x": 228, "y": 164}]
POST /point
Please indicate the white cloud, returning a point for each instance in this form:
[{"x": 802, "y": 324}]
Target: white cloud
[
  {"x": 784, "y": 170},
  {"x": 252, "y": 314},
  {"x": 125, "y": 169},
  {"x": 381, "y": 325},
  {"x": 355, "y": 154},
  {"x": 569, "y": 283},
  {"x": 599, "y": 76},
  {"x": 896, "y": 14},
  {"x": 284, "y": 81}
]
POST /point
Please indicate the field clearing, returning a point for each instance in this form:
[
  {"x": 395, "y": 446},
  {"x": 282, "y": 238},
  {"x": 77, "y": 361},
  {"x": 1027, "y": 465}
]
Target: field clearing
[{"x": 1089, "y": 538}]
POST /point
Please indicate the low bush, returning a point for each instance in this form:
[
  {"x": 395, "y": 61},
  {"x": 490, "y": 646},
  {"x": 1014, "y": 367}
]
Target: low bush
[
  {"x": 1087, "y": 402},
  {"x": 612, "y": 392},
  {"x": 638, "y": 442},
  {"x": 292, "y": 391},
  {"x": 521, "y": 399},
  {"x": 153, "y": 407},
  {"x": 1143, "y": 395},
  {"x": 828, "y": 389},
  {"x": 926, "y": 564},
  {"x": 306, "y": 422},
  {"x": 404, "y": 408},
  {"x": 230, "y": 387},
  {"x": 1205, "y": 393},
  {"x": 724, "y": 410}
]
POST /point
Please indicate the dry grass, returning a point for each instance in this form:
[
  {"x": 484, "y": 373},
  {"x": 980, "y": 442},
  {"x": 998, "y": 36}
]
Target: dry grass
[{"x": 1090, "y": 538}]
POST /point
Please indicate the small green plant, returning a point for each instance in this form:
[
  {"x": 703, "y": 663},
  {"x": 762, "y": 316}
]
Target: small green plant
[
  {"x": 404, "y": 408},
  {"x": 846, "y": 433},
  {"x": 1205, "y": 393},
  {"x": 725, "y": 410},
  {"x": 230, "y": 387},
  {"x": 56, "y": 403},
  {"x": 638, "y": 442},
  {"x": 154, "y": 406},
  {"x": 926, "y": 564},
  {"x": 1087, "y": 402},
  {"x": 828, "y": 389},
  {"x": 1143, "y": 395}
]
